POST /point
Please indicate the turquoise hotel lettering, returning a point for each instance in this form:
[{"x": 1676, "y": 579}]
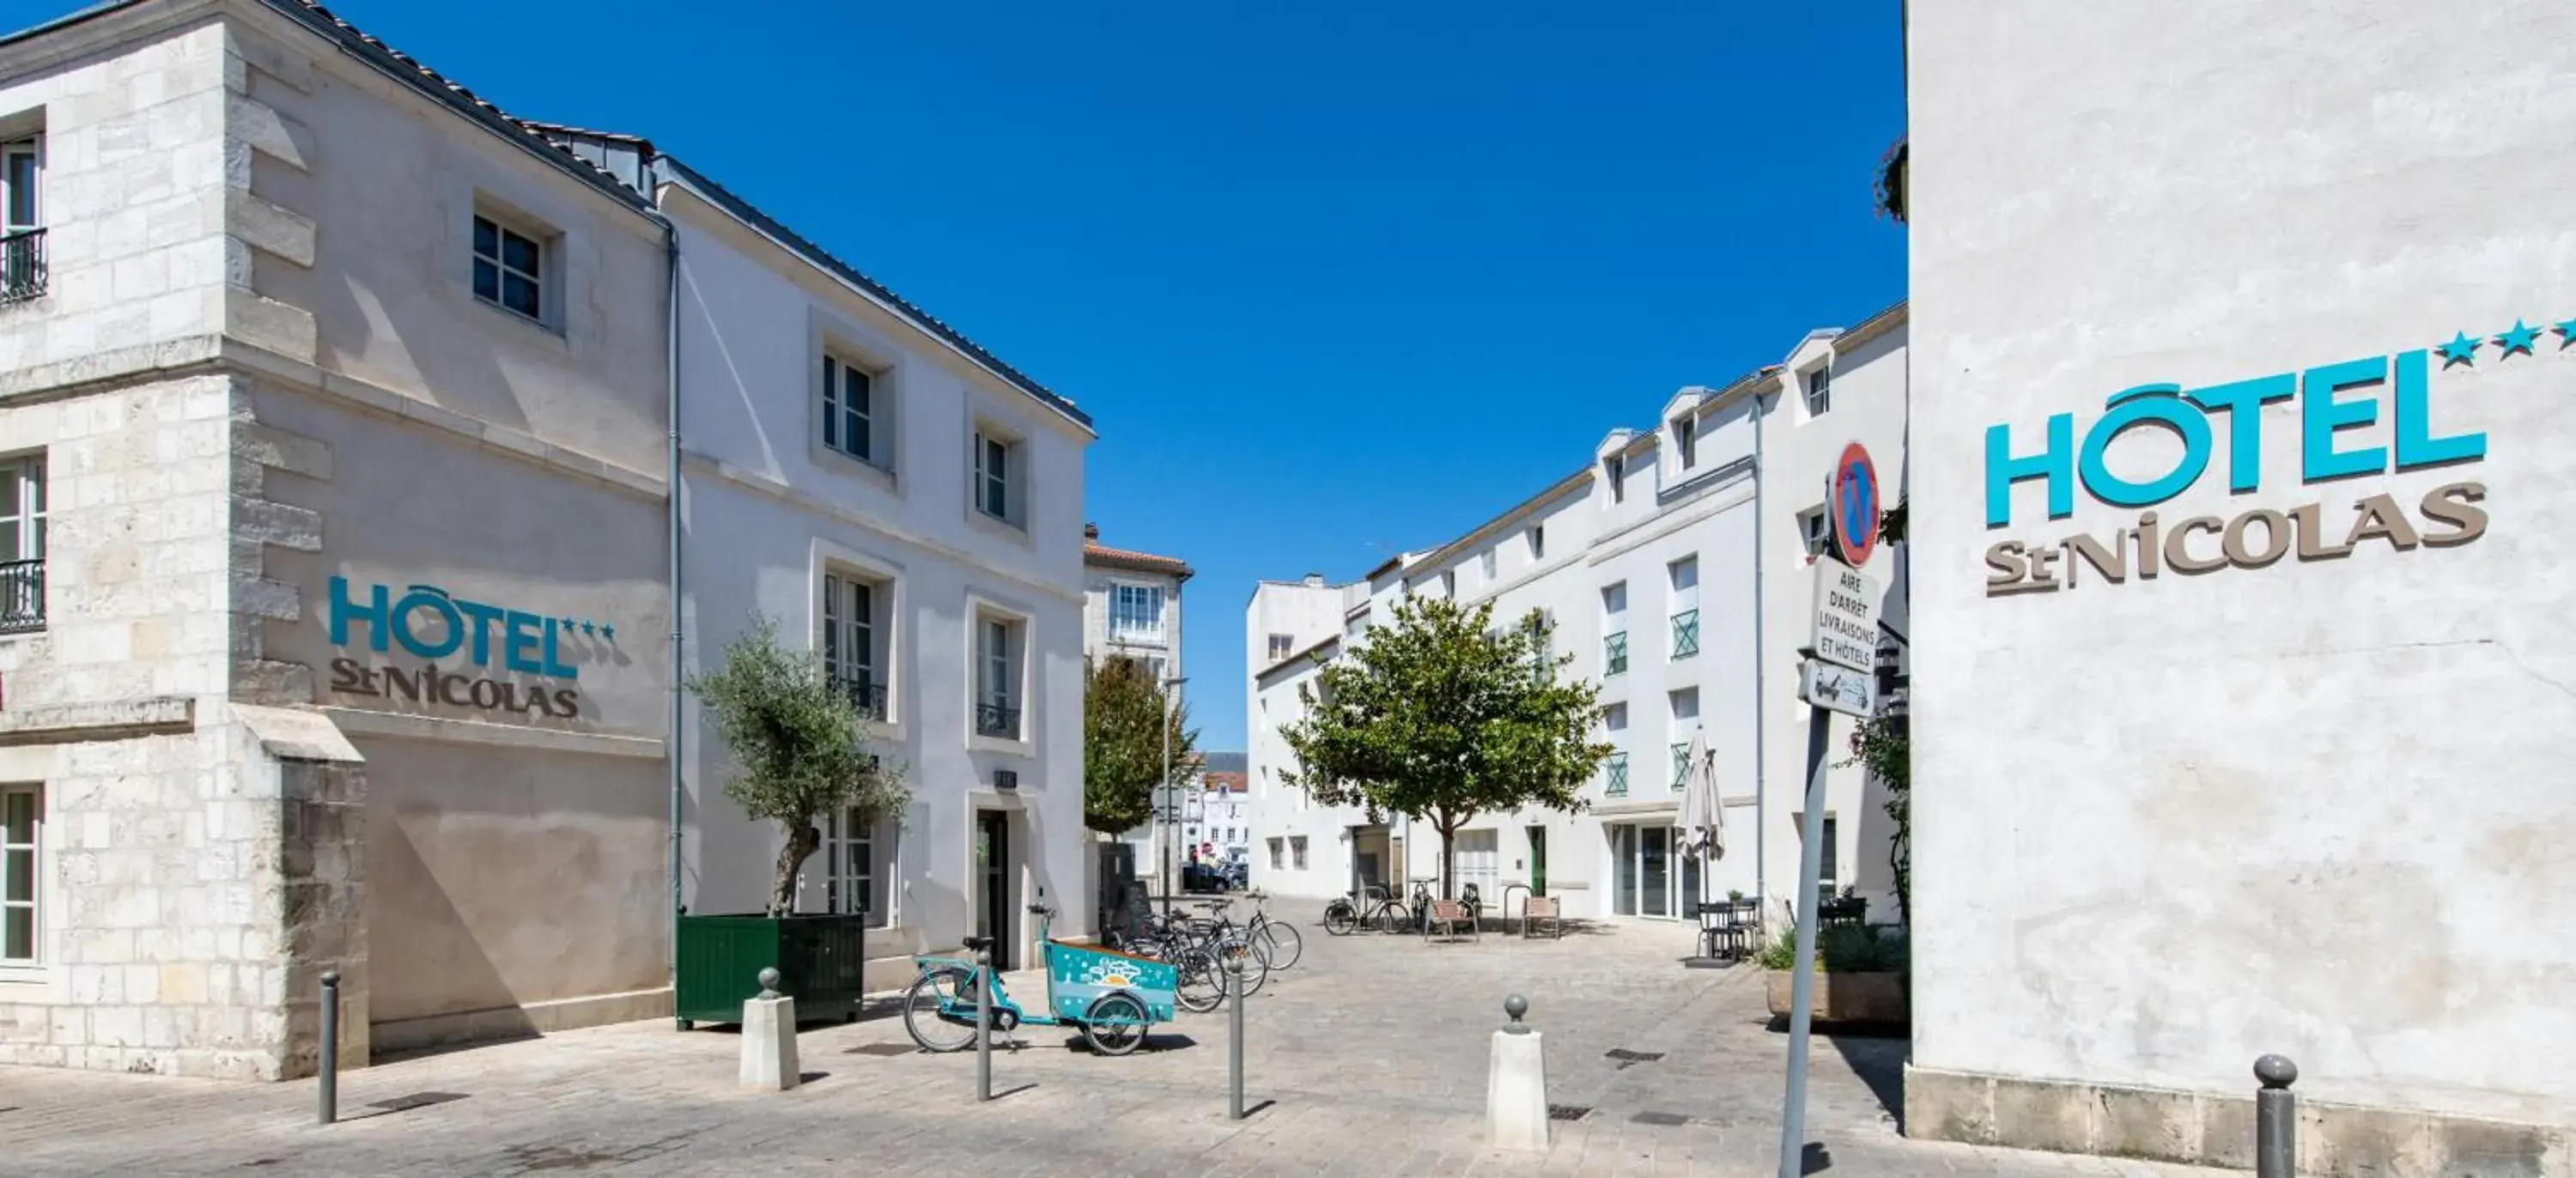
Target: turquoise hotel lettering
[{"x": 431, "y": 624}]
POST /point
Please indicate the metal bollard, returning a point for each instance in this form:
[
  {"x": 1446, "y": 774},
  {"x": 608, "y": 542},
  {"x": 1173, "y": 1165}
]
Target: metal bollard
[
  {"x": 2276, "y": 1118},
  {"x": 983, "y": 1025},
  {"x": 330, "y": 1090},
  {"x": 1234, "y": 1046}
]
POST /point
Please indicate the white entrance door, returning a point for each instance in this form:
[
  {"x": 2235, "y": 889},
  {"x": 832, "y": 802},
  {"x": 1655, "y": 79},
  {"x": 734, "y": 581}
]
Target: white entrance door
[{"x": 1478, "y": 855}]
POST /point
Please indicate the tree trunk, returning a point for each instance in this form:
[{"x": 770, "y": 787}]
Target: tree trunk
[
  {"x": 803, "y": 839},
  {"x": 1448, "y": 828}
]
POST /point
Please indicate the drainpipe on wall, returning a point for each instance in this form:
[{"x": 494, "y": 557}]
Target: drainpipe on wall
[
  {"x": 1761, "y": 694},
  {"x": 671, "y": 740}
]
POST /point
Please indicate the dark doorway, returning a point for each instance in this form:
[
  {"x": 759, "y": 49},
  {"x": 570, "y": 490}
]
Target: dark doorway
[
  {"x": 993, "y": 854},
  {"x": 1538, "y": 860}
]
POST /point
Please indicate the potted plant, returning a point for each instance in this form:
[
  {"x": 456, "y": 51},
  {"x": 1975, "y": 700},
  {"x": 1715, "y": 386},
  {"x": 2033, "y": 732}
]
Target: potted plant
[
  {"x": 800, "y": 751},
  {"x": 1861, "y": 973}
]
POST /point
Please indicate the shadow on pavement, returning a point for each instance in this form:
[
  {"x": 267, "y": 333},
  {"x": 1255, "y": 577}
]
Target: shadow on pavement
[{"x": 1878, "y": 1058}]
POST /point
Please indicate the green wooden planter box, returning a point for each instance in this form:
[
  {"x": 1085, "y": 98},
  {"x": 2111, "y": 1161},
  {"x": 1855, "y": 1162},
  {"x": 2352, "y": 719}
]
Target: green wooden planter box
[{"x": 821, "y": 963}]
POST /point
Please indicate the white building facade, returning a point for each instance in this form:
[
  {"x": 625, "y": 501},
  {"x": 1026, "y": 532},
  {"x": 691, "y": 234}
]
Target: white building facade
[
  {"x": 903, "y": 503},
  {"x": 1131, "y": 609},
  {"x": 1676, "y": 569},
  {"x": 2243, "y": 664}
]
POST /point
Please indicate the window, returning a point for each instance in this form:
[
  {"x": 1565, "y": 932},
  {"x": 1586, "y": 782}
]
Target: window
[
  {"x": 997, "y": 462},
  {"x": 1685, "y": 706},
  {"x": 1614, "y": 470},
  {"x": 849, "y": 410},
  {"x": 1829, "y": 870},
  {"x": 1615, "y": 783},
  {"x": 22, "y": 819},
  {"x": 1538, "y": 542},
  {"x": 1814, "y": 531},
  {"x": 1820, "y": 391},
  {"x": 1614, "y": 653},
  {"x": 22, "y": 224},
  {"x": 1278, "y": 853},
  {"x": 509, "y": 269},
  {"x": 1136, "y": 613},
  {"x": 997, "y": 658},
  {"x": 858, "y": 867},
  {"x": 1614, "y": 717},
  {"x": 1614, "y": 626},
  {"x": 1684, "y": 575},
  {"x": 1488, "y": 561},
  {"x": 1281, "y": 646},
  {"x": 1681, "y": 764},
  {"x": 1686, "y": 441},
  {"x": 1540, "y": 628},
  {"x": 1449, "y": 584},
  {"x": 852, "y": 656},
  {"x": 22, "y": 546},
  {"x": 1297, "y": 851}
]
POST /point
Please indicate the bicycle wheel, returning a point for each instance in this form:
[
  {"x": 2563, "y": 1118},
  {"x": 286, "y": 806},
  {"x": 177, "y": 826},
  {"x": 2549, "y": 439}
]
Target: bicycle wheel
[
  {"x": 1338, "y": 919},
  {"x": 1283, "y": 941},
  {"x": 1115, "y": 1026},
  {"x": 1393, "y": 918},
  {"x": 951, "y": 987},
  {"x": 1200, "y": 989},
  {"x": 1256, "y": 970}
]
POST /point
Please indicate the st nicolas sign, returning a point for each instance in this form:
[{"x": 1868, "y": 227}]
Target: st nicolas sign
[
  {"x": 471, "y": 639},
  {"x": 2331, "y": 400}
]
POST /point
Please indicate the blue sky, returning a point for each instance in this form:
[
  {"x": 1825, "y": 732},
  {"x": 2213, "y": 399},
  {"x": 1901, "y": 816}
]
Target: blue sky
[{"x": 1334, "y": 279}]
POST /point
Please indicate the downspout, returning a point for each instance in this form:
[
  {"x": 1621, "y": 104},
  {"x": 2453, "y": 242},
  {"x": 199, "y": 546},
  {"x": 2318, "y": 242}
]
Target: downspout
[
  {"x": 672, "y": 742},
  {"x": 1761, "y": 693}
]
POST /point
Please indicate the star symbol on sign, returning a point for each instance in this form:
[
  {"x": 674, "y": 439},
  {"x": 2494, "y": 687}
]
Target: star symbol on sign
[
  {"x": 2566, "y": 333},
  {"x": 588, "y": 628},
  {"x": 2517, "y": 338},
  {"x": 608, "y": 632},
  {"x": 568, "y": 623},
  {"x": 2461, "y": 350}
]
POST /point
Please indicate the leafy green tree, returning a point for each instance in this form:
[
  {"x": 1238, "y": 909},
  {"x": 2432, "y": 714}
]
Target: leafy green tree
[
  {"x": 1125, "y": 716},
  {"x": 799, "y": 745},
  {"x": 1441, "y": 717}
]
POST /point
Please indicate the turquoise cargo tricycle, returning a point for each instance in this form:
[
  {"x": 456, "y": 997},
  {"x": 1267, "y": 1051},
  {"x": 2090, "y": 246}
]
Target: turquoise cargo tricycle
[{"x": 1112, "y": 996}]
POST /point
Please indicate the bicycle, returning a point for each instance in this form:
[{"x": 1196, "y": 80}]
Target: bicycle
[
  {"x": 1111, "y": 998},
  {"x": 1369, "y": 907},
  {"x": 1198, "y": 949},
  {"x": 1278, "y": 940}
]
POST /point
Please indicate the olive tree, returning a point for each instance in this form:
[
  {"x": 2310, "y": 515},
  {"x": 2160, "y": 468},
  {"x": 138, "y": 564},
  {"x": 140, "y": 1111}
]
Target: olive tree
[{"x": 799, "y": 746}]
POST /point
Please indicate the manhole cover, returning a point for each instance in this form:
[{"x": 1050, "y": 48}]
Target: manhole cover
[
  {"x": 888, "y": 1049},
  {"x": 1568, "y": 1112},
  {"x": 1659, "y": 1119},
  {"x": 404, "y": 1104},
  {"x": 1627, "y": 1057}
]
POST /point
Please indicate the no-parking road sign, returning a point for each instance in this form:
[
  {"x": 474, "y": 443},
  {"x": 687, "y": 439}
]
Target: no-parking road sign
[{"x": 1854, "y": 506}]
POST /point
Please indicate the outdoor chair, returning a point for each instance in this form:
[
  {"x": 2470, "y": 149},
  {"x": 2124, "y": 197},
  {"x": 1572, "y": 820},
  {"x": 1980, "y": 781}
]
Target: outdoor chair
[
  {"x": 1539, "y": 909},
  {"x": 1447, "y": 916}
]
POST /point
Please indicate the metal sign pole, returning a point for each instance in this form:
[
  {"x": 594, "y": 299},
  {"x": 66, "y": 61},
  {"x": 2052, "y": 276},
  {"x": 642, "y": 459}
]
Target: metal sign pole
[{"x": 1802, "y": 976}]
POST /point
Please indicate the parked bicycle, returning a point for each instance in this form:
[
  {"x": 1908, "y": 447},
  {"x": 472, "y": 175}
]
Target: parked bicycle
[
  {"x": 1278, "y": 942},
  {"x": 1370, "y": 907},
  {"x": 1198, "y": 948}
]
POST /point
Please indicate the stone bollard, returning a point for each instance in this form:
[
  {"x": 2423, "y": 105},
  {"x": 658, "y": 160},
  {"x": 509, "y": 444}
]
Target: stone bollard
[
  {"x": 2276, "y": 1118},
  {"x": 769, "y": 1061},
  {"x": 329, "y": 1071},
  {"x": 1516, "y": 1084}
]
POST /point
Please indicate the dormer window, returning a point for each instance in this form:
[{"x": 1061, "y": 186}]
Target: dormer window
[
  {"x": 1686, "y": 441},
  {"x": 1819, "y": 390},
  {"x": 1615, "y": 471}
]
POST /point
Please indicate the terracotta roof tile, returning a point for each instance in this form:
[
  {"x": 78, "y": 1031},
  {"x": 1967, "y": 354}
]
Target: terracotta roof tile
[{"x": 1124, "y": 558}]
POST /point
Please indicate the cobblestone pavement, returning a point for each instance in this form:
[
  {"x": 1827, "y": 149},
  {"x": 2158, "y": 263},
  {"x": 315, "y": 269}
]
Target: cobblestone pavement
[{"x": 1370, "y": 1054}]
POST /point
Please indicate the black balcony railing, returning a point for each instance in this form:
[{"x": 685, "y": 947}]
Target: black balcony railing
[
  {"x": 22, "y": 265},
  {"x": 868, "y": 696},
  {"x": 22, "y": 596},
  {"x": 997, "y": 720}
]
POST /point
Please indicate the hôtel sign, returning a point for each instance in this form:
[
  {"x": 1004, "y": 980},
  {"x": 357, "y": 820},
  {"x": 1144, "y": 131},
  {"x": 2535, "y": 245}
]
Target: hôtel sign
[
  {"x": 434, "y": 626},
  {"x": 2331, "y": 399}
]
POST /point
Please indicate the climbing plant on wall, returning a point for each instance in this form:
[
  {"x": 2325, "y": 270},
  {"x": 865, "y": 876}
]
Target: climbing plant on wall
[{"x": 1882, "y": 746}]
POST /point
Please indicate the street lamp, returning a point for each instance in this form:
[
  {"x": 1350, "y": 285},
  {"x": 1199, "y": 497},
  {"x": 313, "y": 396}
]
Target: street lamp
[{"x": 1172, "y": 821}]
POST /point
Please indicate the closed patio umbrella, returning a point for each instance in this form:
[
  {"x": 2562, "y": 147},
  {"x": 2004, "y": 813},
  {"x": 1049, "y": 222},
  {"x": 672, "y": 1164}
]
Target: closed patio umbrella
[{"x": 1703, "y": 815}]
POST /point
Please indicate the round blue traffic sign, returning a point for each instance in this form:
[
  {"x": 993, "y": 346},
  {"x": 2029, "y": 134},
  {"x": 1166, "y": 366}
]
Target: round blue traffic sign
[{"x": 1854, "y": 506}]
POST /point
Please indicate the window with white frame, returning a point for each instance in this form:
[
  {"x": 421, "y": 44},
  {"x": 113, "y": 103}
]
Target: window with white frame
[
  {"x": 1815, "y": 532},
  {"x": 850, "y": 411},
  {"x": 1278, "y": 853},
  {"x": 22, "y": 821},
  {"x": 510, "y": 267},
  {"x": 998, "y": 655},
  {"x": 22, "y": 219},
  {"x": 1614, "y": 470},
  {"x": 1686, "y": 441},
  {"x": 1614, "y": 717},
  {"x": 1135, "y": 613},
  {"x": 1281, "y": 646},
  {"x": 1449, "y": 584},
  {"x": 854, "y": 616},
  {"x": 1001, "y": 475},
  {"x": 858, "y": 866},
  {"x": 1538, "y": 542},
  {"x": 1488, "y": 563},
  {"x": 1819, "y": 389},
  {"x": 1297, "y": 851},
  {"x": 22, "y": 545}
]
